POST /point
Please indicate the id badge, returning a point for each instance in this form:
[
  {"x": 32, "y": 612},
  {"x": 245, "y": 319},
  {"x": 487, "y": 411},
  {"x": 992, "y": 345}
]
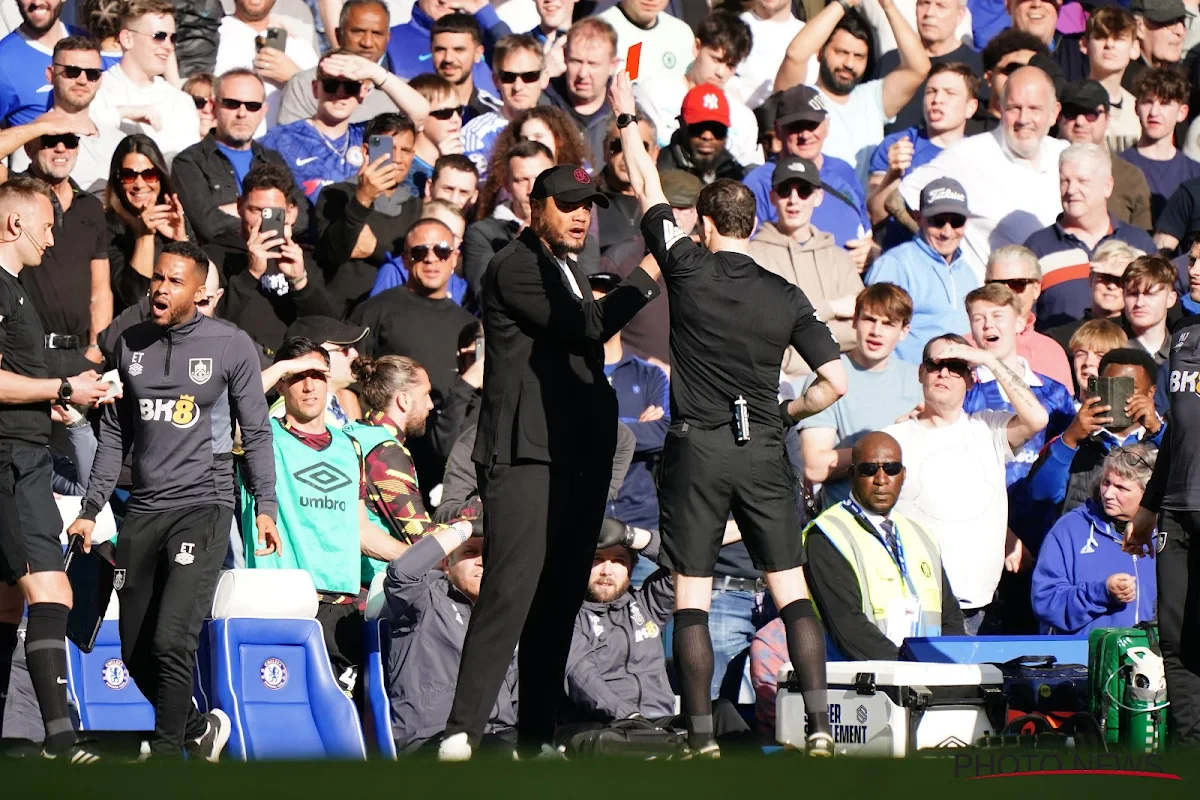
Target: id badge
[{"x": 902, "y": 620}]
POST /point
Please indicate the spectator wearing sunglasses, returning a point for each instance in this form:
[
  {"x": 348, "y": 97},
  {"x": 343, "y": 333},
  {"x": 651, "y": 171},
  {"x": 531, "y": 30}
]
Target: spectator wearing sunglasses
[
  {"x": 144, "y": 214},
  {"x": 1065, "y": 247},
  {"x": 71, "y": 291},
  {"x": 134, "y": 95},
  {"x": 75, "y": 75},
  {"x": 1108, "y": 266},
  {"x": 581, "y": 91},
  {"x": 931, "y": 268},
  {"x": 361, "y": 222},
  {"x": 270, "y": 281},
  {"x": 441, "y": 134},
  {"x": 699, "y": 145},
  {"x": 621, "y": 221},
  {"x": 520, "y": 76},
  {"x": 241, "y": 45},
  {"x": 954, "y": 470},
  {"x": 200, "y": 88},
  {"x": 1083, "y": 579},
  {"x": 209, "y": 174},
  {"x": 1017, "y": 268},
  {"x": 328, "y": 147},
  {"x": 362, "y": 30},
  {"x": 25, "y": 56},
  {"x": 420, "y": 320}
]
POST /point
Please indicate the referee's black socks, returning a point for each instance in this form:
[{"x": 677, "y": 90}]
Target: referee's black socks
[
  {"x": 46, "y": 656},
  {"x": 691, "y": 647},
  {"x": 8, "y": 643},
  {"x": 806, "y": 649}
]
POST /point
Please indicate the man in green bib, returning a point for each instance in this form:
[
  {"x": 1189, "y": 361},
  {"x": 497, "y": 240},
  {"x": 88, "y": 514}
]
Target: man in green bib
[
  {"x": 324, "y": 521},
  {"x": 875, "y": 576}
]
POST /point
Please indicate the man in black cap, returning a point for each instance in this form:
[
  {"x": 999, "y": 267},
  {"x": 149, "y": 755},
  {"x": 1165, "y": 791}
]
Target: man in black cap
[
  {"x": 543, "y": 453},
  {"x": 724, "y": 453},
  {"x": 341, "y": 341},
  {"x": 1085, "y": 117},
  {"x": 1161, "y": 26}
]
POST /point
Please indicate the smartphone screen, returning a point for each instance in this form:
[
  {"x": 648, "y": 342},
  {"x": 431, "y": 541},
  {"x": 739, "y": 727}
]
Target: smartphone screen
[
  {"x": 377, "y": 147},
  {"x": 1113, "y": 392},
  {"x": 272, "y": 223}
]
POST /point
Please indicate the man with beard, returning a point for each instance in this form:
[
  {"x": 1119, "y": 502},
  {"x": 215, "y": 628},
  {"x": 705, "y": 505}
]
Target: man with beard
[
  {"x": 188, "y": 381},
  {"x": 240, "y": 47},
  {"x": 209, "y": 174},
  {"x": 543, "y": 475},
  {"x": 699, "y": 145},
  {"x": 456, "y": 44},
  {"x": 25, "y": 55},
  {"x": 31, "y": 559},
  {"x": 842, "y": 42}
]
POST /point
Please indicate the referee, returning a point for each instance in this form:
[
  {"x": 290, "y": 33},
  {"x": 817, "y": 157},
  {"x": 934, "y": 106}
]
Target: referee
[
  {"x": 31, "y": 558},
  {"x": 187, "y": 380},
  {"x": 731, "y": 322}
]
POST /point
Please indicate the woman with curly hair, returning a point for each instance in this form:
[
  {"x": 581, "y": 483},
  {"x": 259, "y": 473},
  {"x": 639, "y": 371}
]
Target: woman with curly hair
[
  {"x": 144, "y": 213},
  {"x": 544, "y": 124}
]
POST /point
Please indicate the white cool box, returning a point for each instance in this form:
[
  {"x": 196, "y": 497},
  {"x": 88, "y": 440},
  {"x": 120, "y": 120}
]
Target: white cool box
[{"x": 893, "y": 708}]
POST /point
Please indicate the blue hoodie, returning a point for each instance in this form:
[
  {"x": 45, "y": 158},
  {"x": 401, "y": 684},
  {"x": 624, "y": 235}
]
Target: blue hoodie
[
  {"x": 1077, "y": 557},
  {"x": 639, "y": 385}
]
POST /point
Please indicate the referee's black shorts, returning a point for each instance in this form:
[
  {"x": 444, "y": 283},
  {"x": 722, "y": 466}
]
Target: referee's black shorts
[
  {"x": 704, "y": 476},
  {"x": 30, "y": 525}
]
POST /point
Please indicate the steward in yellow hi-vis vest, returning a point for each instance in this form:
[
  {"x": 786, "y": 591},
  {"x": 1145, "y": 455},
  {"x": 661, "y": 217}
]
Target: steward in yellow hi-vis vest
[{"x": 876, "y": 577}]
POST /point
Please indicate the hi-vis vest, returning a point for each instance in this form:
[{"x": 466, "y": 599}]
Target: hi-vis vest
[{"x": 879, "y": 580}]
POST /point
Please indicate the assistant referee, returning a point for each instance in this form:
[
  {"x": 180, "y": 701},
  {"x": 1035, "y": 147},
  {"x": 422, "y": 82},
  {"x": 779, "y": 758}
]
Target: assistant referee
[{"x": 731, "y": 322}]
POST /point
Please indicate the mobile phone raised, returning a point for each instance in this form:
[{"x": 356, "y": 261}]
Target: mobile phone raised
[{"x": 1115, "y": 393}]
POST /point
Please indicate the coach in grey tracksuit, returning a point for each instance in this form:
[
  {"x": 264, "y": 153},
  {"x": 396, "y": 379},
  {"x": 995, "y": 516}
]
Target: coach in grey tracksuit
[
  {"x": 187, "y": 380},
  {"x": 428, "y": 616}
]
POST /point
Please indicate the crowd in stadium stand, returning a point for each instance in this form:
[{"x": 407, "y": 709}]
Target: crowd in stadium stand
[{"x": 985, "y": 201}]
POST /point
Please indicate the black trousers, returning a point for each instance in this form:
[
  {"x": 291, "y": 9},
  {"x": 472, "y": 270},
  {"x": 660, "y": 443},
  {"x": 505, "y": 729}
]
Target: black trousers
[
  {"x": 541, "y": 523},
  {"x": 1179, "y": 621},
  {"x": 169, "y": 562}
]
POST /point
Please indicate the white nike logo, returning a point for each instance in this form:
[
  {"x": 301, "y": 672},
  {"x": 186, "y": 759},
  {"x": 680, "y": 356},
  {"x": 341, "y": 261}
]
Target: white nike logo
[
  {"x": 425, "y": 57},
  {"x": 61, "y": 681},
  {"x": 300, "y": 162}
]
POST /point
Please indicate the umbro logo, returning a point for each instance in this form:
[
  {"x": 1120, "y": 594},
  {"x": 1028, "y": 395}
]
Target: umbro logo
[{"x": 322, "y": 477}]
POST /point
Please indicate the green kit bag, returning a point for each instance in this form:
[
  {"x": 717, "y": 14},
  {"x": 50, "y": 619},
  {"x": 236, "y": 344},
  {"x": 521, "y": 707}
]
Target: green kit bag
[{"x": 1127, "y": 687}]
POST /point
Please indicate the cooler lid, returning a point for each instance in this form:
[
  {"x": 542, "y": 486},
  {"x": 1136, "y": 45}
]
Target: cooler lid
[{"x": 905, "y": 673}]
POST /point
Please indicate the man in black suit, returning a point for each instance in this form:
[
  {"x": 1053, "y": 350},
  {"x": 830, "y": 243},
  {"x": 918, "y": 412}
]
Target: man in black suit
[{"x": 543, "y": 456}]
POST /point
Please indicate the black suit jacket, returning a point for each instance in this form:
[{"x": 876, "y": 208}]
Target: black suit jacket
[{"x": 545, "y": 396}]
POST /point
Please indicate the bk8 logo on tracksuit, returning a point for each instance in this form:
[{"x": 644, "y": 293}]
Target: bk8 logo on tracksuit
[{"x": 182, "y": 413}]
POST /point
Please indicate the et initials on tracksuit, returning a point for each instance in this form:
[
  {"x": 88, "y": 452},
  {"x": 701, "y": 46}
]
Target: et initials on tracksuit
[{"x": 185, "y": 387}]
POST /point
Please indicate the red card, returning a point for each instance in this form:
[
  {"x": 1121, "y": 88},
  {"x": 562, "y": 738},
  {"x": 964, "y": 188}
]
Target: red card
[{"x": 632, "y": 60}]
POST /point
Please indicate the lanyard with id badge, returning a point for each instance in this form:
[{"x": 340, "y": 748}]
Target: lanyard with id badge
[{"x": 902, "y": 617}]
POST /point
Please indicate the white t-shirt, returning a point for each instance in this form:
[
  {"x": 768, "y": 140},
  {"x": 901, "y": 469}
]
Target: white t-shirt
[
  {"x": 666, "y": 48},
  {"x": 755, "y": 77},
  {"x": 662, "y": 100},
  {"x": 954, "y": 485},
  {"x": 237, "y": 49},
  {"x": 856, "y": 126},
  {"x": 180, "y": 121},
  {"x": 908, "y": 9}
]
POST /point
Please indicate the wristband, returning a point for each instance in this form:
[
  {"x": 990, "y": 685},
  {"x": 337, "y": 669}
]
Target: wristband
[{"x": 630, "y": 536}]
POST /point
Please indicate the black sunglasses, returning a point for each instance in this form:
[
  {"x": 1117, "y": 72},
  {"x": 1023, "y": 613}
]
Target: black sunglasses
[
  {"x": 445, "y": 114},
  {"x": 867, "y": 469},
  {"x": 200, "y": 102},
  {"x": 1011, "y": 67},
  {"x": 801, "y": 188},
  {"x": 1091, "y": 115},
  {"x": 957, "y": 366},
  {"x": 526, "y": 77},
  {"x": 419, "y": 252},
  {"x": 330, "y": 85},
  {"x": 232, "y": 104},
  {"x": 149, "y": 175},
  {"x": 1018, "y": 285},
  {"x": 718, "y": 130},
  {"x": 614, "y": 147},
  {"x": 939, "y": 221},
  {"x": 69, "y": 139},
  {"x": 73, "y": 73}
]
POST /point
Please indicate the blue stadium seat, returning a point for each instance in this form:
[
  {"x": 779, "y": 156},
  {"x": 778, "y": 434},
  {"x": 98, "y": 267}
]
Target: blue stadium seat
[
  {"x": 101, "y": 687},
  {"x": 377, "y": 724},
  {"x": 271, "y": 672}
]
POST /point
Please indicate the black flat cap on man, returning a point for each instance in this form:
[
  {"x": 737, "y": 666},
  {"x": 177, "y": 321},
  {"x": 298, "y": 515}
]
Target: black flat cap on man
[
  {"x": 568, "y": 183},
  {"x": 1085, "y": 96},
  {"x": 326, "y": 329},
  {"x": 1160, "y": 11}
]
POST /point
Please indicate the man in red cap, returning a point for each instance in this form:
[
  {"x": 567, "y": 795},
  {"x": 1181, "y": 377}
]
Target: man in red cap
[{"x": 698, "y": 146}]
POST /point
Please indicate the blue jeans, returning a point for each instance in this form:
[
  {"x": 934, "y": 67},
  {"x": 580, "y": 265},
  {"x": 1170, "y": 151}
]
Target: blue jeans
[{"x": 733, "y": 619}]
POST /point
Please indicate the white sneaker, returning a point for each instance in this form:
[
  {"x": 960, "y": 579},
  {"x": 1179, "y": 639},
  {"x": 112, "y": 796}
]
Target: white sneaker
[{"x": 455, "y": 748}]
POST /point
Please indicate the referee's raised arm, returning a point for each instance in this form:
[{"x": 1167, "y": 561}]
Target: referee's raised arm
[{"x": 643, "y": 174}]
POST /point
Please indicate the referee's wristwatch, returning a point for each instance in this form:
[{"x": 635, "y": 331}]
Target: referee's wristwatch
[
  {"x": 625, "y": 120},
  {"x": 64, "y": 392}
]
